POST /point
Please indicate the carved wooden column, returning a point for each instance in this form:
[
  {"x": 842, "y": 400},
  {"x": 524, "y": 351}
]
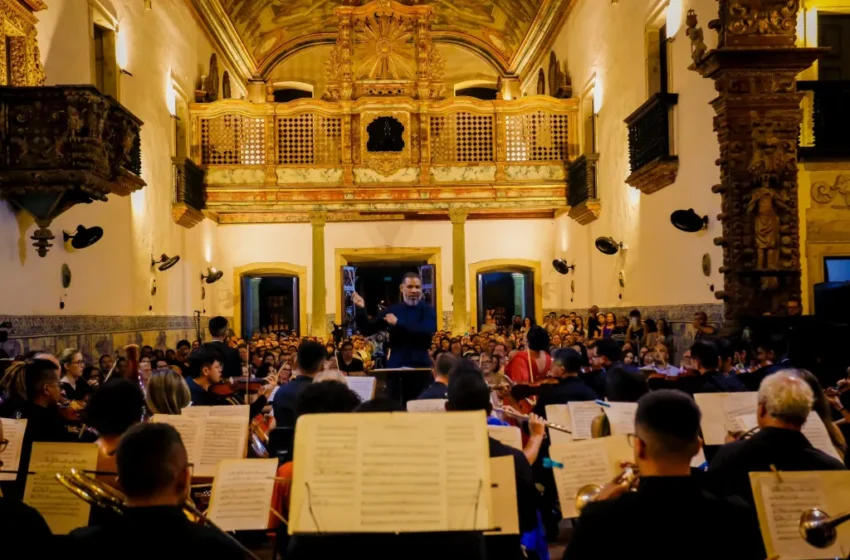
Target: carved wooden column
[
  {"x": 423, "y": 51},
  {"x": 344, "y": 44},
  {"x": 319, "y": 321},
  {"x": 460, "y": 321},
  {"x": 754, "y": 69}
]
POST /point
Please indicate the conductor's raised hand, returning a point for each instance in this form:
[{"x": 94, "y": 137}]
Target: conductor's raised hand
[
  {"x": 390, "y": 319},
  {"x": 357, "y": 299}
]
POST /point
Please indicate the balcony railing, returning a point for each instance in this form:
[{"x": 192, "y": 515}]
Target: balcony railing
[
  {"x": 582, "y": 179},
  {"x": 826, "y": 137},
  {"x": 189, "y": 184},
  {"x": 653, "y": 167}
]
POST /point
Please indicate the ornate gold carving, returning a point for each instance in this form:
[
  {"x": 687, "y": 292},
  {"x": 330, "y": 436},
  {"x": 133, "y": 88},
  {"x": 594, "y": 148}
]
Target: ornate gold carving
[
  {"x": 458, "y": 215},
  {"x": 697, "y": 37},
  {"x": 586, "y": 212},
  {"x": 750, "y": 22},
  {"x": 655, "y": 176},
  {"x": 560, "y": 85},
  {"x": 824, "y": 193},
  {"x": 186, "y": 216},
  {"x": 385, "y": 163},
  {"x": 318, "y": 218}
]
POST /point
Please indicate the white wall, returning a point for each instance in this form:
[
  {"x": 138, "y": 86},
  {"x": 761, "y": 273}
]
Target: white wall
[
  {"x": 113, "y": 276},
  {"x": 662, "y": 265}
]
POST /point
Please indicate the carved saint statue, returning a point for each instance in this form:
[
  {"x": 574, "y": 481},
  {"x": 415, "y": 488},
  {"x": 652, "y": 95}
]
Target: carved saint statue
[
  {"x": 212, "y": 79},
  {"x": 225, "y": 85},
  {"x": 696, "y": 36},
  {"x": 763, "y": 202}
]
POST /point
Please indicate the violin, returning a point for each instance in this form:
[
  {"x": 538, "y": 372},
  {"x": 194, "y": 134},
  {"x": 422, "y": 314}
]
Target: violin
[{"x": 229, "y": 388}]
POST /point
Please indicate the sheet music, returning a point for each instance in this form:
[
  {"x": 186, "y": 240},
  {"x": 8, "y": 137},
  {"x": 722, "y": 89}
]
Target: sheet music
[
  {"x": 427, "y": 405},
  {"x": 698, "y": 459},
  {"x": 745, "y": 423},
  {"x": 783, "y": 502},
  {"x": 209, "y": 439},
  {"x": 62, "y": 510},
  {"x": 719, "y": 413},
  {"x": 13, "y": 430},
  {"x": 385, "y": 472},
  {"x": 509, "y": 435},
  {"x": 242, "y": 494},
  {"x": 582, "y": 414},
  {"x": 363, "y": 386},
  {"x": 559, "y": 414},
  {"x": 585, "y": 462},
  {"x": 815, "y": 431},
  {"x": 621, "y": 417},
  {"x": 240, "y": 410},
  {"x": 503, "y": 496}
]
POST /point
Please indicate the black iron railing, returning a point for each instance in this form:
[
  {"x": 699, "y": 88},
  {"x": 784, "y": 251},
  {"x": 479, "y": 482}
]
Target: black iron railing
[
  {"x": 582, "y": 179},
  {"x": 649, "y": 130},
  {"x": 830, "y": 120},
  {"x": 189, "y": 185}
]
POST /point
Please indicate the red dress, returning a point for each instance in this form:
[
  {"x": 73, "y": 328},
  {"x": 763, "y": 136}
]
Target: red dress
[{"x": 517, "y": 368}]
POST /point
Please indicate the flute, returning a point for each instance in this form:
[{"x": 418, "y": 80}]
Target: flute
[{"x": 515, "y": 414}]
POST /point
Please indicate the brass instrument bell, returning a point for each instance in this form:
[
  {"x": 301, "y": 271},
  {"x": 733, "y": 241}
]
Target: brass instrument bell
[
  {"x": 589, "y": 492},
  {"x": 818, "y": 529}
]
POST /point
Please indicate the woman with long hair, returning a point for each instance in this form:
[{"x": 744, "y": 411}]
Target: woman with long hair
[
  {"x": 71, "y": 376},
  {"x": 167, "y": 392},
  {"x": 610, "y": 325}
]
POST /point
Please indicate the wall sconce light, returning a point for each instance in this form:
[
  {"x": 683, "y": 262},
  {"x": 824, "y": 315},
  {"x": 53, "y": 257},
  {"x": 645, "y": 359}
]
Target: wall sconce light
[
  {"x": 84, "y": 237},
  {"x": 561, "y": 266},
  {"x": 212, "y": 276},
  {"x": 607, "y": 246},
  {"x": 688, "y": 220},
  {"x": 165, "y": 262}
]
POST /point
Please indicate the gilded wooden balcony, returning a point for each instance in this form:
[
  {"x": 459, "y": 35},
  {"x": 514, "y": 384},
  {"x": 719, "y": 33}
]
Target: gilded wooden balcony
[
  {"x": 653, "y": 167},
  {"x": 383, "y": 158},
  {"x": 65, "y": 145},
  {"x": 826, "y": 108}
]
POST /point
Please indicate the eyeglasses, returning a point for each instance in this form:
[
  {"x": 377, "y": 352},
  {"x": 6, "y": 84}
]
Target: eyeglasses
[
  {"x": 4, "y": 443},
  {"x": 630, "y": 438}
]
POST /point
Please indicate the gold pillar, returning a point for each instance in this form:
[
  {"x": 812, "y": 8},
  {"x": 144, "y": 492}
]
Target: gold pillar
[
  {"x": 319, "y": 321},
  {"x": 460, "y": 321}
]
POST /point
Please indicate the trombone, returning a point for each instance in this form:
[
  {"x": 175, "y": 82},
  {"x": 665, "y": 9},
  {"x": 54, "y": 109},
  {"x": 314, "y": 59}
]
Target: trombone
[
  {"x": 589, "y": 492},
  {"x": 819, "y": 529},
  {"x": 99, "y": 494}
]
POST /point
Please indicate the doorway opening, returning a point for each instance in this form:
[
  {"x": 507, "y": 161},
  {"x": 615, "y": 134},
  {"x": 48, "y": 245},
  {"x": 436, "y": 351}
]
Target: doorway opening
[
  {"x": 270, "y": 303},
  {"x": 503, "y": 294}
]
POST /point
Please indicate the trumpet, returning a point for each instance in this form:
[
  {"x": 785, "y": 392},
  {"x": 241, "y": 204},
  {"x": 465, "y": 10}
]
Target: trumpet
[
  {"x": 818, "y": 529},
  {"x": 589, "y": 492},
  {"x": 96, "y": 493},
  {"x": 509, "y": 411}
]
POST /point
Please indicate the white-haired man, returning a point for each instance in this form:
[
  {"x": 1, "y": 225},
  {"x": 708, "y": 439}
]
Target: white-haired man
[{"x": 784, "y": 403}]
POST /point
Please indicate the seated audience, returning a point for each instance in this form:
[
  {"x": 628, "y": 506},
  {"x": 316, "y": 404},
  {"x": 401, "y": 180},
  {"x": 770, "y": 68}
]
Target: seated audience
[{"x": 347, "y": 362}]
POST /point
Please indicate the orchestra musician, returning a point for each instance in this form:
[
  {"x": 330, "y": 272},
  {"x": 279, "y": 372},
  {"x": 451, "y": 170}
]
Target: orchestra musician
[
  {"x": 231, "y": 362},
  {"x": 443, "y": 365},
  {"x": 205, "y": 370},
  {"x": 411, "y": 324},
  {"x": 71, "y": 379},
  {"x": 167, "y": 392},
  {"x": 784, "y": 403},
  {"x": 566, "y": 366},
  {"x": 155, "y": 476},
  {"x": 311, "y": 360},
  {"x": 668, "y": 503},
  {"x": 535, "y": 357},
  {"x": 113, "y": 408}
]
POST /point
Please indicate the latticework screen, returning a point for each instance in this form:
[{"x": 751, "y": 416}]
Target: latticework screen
[
  {"x": 233, "y": 140},
  {"x": 461, "y": 137},
  {"x": 309, "y": 139},
  {"x": 536, "y": 137}
]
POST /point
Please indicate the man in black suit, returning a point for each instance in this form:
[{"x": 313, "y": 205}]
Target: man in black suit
[
  {"x": 670, "y": 516},
  {"x": 705, "y": 356},
  {"x": 230, "y": 360},
  {"x": 784, "y": 403},
  {"x": 443, "y": 365}
]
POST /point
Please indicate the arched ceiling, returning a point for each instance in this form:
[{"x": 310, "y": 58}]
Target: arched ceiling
[{"x": 257, "y": 34}]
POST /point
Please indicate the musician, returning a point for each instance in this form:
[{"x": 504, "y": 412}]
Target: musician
[
  {"x": 311, "y": 360},
  {"x": 566, "y": 366},
  {"x": 155, "y": 476},
  {"x": 167, "y": 392},
  {"x": 205, "y": 370},
  {"x": 443, "y": 365},
  {"x": 349, "y": 364},
  {"x": 105, "y": 362},
  {"x": 113, "y": 408},
  {"x": 705, "y": 359},
  {"x": 231, "y": 362},
  {"x": 669, "y": 517},
  {"x": 467, "y": 391},
  {"x": 411, "y": 324},
  {"x": 784, "y": 403},
  {"x": 619, "y": 382},
  {"x": 537, "y": 344},
  {"x": 32, "y": 392}
]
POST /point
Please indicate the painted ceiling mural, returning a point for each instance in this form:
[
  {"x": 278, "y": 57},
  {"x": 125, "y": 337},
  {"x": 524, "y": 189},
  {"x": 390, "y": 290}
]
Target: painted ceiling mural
[{"x": 264, "y": 25}]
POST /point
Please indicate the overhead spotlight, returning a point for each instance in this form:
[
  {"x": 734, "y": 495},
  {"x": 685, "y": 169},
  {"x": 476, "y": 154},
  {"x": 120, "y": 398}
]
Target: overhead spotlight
[
  {"x": 84, "y": 237},
  {"x": 688, "y": 220},
  {"x": 212, "y": 276},
  {"x": 165, "y": 262},
  {"x": 608, "y": 246},
  {"x": 561, "y": 266}
]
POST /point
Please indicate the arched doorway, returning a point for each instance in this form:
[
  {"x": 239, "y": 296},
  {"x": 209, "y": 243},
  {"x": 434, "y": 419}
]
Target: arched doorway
[
  {"x": 512, "y": 285},
  {"x": 270, "y": 295}
]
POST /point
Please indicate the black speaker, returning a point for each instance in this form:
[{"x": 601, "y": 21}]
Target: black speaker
[{"x": 832, "y": 302}]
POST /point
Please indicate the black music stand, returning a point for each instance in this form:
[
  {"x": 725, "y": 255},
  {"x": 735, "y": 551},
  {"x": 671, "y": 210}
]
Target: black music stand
[{"x": 404, "y": 384}]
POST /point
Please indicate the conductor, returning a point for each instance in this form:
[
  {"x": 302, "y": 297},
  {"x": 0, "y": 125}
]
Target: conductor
[{"x": 411, "y": 324}]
